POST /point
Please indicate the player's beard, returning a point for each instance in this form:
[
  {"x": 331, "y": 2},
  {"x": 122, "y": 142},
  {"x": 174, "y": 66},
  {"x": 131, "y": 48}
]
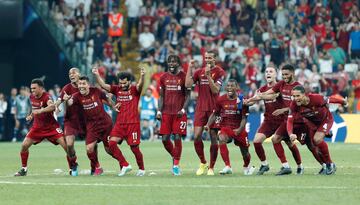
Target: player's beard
[{"x": 173, "y": 69}]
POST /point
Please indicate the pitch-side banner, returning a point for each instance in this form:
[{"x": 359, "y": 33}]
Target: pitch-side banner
[{"x": 346, "y": 127}]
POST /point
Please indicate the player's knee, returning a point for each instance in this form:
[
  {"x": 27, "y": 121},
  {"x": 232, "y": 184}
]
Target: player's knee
[
  {"x": 90, "y": 149},
  {"x": 259, "y": 139},
  {"x": 223, "y": 139},
  {"x": 275, "y": 139}
]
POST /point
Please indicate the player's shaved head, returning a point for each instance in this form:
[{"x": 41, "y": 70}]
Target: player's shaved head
[
  {"x": 299, "y": 88},
  {"x": 74, "y": 70}
]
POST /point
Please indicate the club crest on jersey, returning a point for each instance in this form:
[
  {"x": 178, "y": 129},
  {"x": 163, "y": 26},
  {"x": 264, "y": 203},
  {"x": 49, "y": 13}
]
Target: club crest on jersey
[{"x": 130, "y": 97}]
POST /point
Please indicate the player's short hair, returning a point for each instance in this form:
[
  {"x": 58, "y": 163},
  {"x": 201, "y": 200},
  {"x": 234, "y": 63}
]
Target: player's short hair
[
  {"x": 288, "y": 67},
  {"x": 38, "y": 81},
  {"x": 84, "y": 78},
  {"x": 127, "y": 75},
  {"x": 213, "y": 52},
  {"x": 271, "y": 65},
  {"x": 233, "y": 81},
  {"x": 175, "y": 57},
  {"x": 299, "y": 88}
]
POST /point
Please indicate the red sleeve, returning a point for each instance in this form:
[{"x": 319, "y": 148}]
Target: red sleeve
[
  {"x": 218, "y": 105},
  {"x": 135, "y": 90},
  {"x": 114, "y": 89},
  {"x": 317, "y": 100},
  {"x": 102, "y": 95},
  {"x": 75, "y": 98},
  {"x": 196, "y": 75},
  {"x": 220, "y": 77},
  {"x": 335, "y": 100},
  {"x": 290, "y": 120},
  {"x": 62, "y": 92},
  {"x": 262, "y": 89},
  {"x": 161, "y": 82},
  {"x": 277, "y": 87}
]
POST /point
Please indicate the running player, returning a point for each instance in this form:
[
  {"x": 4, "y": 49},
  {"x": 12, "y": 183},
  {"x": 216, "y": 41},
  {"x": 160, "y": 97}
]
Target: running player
[
  {"x": 233, "y": 121},
  {"x": 174, "y": 99},
  {"x": 74, "y": 124},
  {"x": 44, "y": 126},
  {"x": 313, "y": 108},
  {"x": 282, "y": 88},
  {"x": 98, "y": 122},
  {"x": 209, "y": 79},
  {"x": 127, "y": 125}
]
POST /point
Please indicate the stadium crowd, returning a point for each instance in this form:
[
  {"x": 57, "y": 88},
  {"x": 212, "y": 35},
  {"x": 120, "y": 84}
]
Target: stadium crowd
[{"x": 321, "y": 40}]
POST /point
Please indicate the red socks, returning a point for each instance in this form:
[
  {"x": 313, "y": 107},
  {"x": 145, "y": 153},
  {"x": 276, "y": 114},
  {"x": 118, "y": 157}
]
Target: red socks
[
  {"x": 199, "y": 148},
  {"x": 71, "y": 161},
  {"x": 24, "y": 158},
  {"x": 280, "y": 152},
  {"x": 138, "y": 155},
  {"x": 117, "y": 154},
  {"x": 225, "y": 154},
  {"x": 324, "y": 150},
  {"x": 259, "y": 149},
  {"x": 94, "y": 163},
  {"x": 213, "y": 155},
  {"x": 169, "y": 147},
  {"x": 296, "y": 154},
  {"x": 247, "y": 159},
  {"x": 177, "y": 151}
]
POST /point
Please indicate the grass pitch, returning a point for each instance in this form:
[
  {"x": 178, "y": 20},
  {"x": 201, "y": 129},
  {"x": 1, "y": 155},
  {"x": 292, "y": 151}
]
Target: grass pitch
[{"x": 48, "y": 183}]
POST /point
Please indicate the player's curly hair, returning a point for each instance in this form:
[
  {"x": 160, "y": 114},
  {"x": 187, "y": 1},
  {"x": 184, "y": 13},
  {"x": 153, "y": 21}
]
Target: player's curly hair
[
  {"x": 175, "y": 57},
  {"x": 125, "y": 75},
  {"x": 288, "y": 67}
]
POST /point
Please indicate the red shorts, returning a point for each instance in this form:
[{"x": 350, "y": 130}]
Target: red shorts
[
  {"x": 201, "y": 118},
  {"x": 98, "y": 134},
  {"x": 73, "y": 128},
  {"x": 303, "y": 133},
  {"x": 268, "y": 128},
  {"x": 130, "y": 132},
  {"x": 171, "y": 124},
  {"x": 239, "y": 140},
  {"x": 325, "y": 126},
  {"x": 38, "y": 135}
]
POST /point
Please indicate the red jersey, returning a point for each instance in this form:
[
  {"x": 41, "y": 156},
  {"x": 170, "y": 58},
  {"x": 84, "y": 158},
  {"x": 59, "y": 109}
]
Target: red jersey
[
  {"x": 316, "y": 111},
  {"x": 285, "y": 90},
  {"x": 174, "y": 90},
  {"x": 72, "y": 112},
  {"x": 206, "y": 99},
  {"x": 129, "y": 100},
  {"x": 93, "y": 107},
  {"x": 356, "y": 83},
  {"x": 272, "y": 105},
  {"x": 46, "y": 120},
  {"x": 228, "y": 110},
  {"x": 147, "y": 21}
]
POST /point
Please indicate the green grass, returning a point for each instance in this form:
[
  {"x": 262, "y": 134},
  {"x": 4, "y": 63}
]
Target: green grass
[{"x": 43, "y": 186}]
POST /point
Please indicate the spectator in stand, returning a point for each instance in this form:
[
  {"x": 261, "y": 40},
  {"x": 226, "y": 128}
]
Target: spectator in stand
[
  {"x": 147, "y": 42},
  {"x": 314, "y": 79},
  {"x": 354, "y": 43},
  {"x": 173, "y": 35},
  {"x": 223, "y": 14},
  {"x": 22, "y": 110},
  {"x": 302, "y": 74},
  {"x": 337, "y": 54},
  {"x": 133, "y": 11},
  {"x": 115, "y": 21},
  {"x": 281, "y": 15},
  {"x": 251, "y": 50},
  {"x": 250, "y": 71},
  {"x": 342, "y": 78},
  {"x": 244, "y": 18},
  {"x": 79, "y": 35},
  {"x": 162, "y": 53},
  {"x": 108, "y": 48},
  {"x": 147, "y": 20},
  {"x": 148, "y": 106},
  {"x": 3, "y": 107},
  {"x": 99, "y": 38},
  {"x": 325, "y": 62},
  {"x": 186, "y": 22},
  {"x": 342, "y": 37},
  {"x": 11, "y": 112},
  {"x": 356, "y": 89},
  {"x": 276, "y": 50}
]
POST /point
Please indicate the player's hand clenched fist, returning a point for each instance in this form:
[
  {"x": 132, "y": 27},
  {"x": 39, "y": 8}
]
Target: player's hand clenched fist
[
  {"x": 142, "y": 70},
  {"x": 158, "y": 115}
]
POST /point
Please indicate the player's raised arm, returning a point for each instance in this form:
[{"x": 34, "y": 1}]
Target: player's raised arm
[
  {"x": 140, "y": 83},
  {"x": 214, "y": 87},
  {"x": 100, "y": 81},
  {"x": 189, "y": 81}
]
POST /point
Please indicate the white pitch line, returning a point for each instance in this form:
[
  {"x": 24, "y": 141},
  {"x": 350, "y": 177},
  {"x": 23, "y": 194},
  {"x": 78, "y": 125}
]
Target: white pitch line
[{"x": 183, "y": 186}]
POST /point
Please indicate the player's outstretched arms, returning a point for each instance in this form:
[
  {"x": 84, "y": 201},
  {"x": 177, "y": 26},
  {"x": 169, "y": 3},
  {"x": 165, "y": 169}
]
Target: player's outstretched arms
[{"x": 99, "y": 80}]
